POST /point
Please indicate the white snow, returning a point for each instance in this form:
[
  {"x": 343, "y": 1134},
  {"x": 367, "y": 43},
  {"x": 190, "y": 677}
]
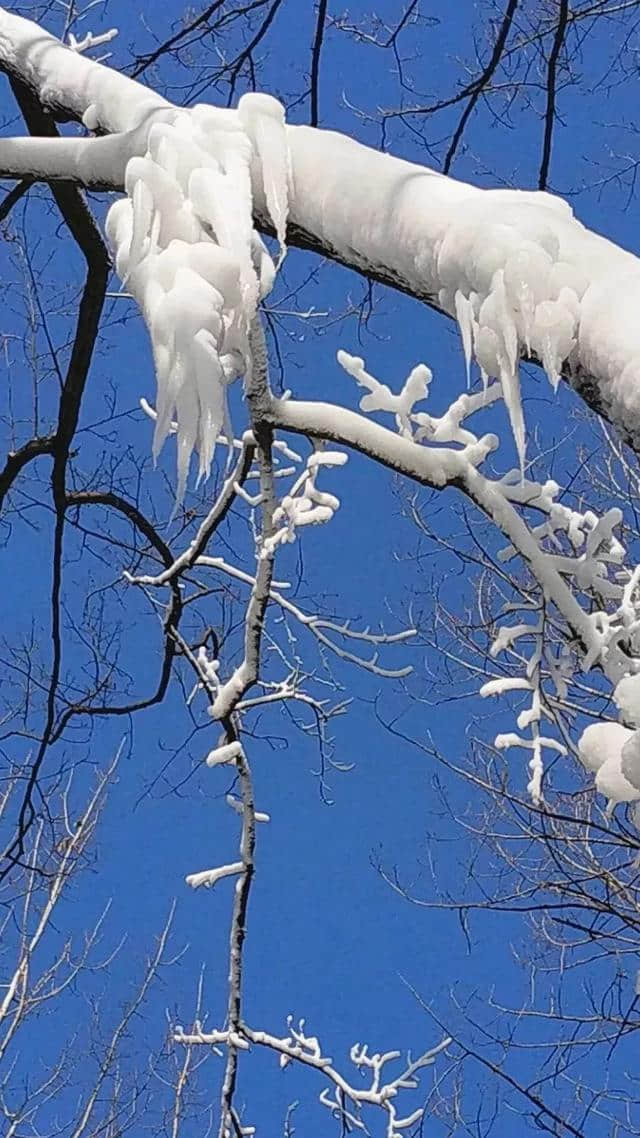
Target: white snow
[
  {"x": 381, "y": 398},
  {"x": 611, "y": 782},
  {"x": 210, "y": 877},
  {"x": 630, "y": 761},
  {"x": 513, "y": 267},
  {"x": 305, "y": 504},
  {"x": 626, "y": 697},
  {"x": 601, "y": 742},
  {"x": 262, "y": 117},
  {"x": 226, "y": 753},
  {"x": 612, "y": 753},
  {"x": 66, "y": 78}
]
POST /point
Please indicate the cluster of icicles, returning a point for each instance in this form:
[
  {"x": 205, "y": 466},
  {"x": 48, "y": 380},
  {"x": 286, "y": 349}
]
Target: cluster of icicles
[
  {"x": 186, "y": 248},
  {"x": 509, "y": 290}
]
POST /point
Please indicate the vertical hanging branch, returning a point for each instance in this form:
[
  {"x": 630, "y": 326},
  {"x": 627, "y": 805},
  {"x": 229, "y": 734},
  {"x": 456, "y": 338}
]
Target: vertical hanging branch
[
  {"x": 259, "y": 401},
  {"x": 236, "y": 945},
  {"x": 258, "y": 398},
  {"x": 225, "y": 699},
  {"x": 83, "y": 229},
  {"x": 316, "y": 52}
]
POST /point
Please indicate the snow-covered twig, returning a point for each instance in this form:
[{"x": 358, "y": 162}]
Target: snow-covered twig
[
  {"x": 346, "y": 1100},
  {"x": 90, "y": 40},
  {"x": 304, "y": 504},
  {"x": 320, "y": 626}
]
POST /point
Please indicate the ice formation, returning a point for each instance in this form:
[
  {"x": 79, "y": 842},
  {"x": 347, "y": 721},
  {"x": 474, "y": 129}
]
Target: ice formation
[
  {"x": 381, "y": 398},
  {"x": 501, "y": 275},
  {"x": 186, "y": 247}
]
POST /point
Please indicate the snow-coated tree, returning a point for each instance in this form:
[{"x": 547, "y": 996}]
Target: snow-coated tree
[{"x": 187, "y": 178}]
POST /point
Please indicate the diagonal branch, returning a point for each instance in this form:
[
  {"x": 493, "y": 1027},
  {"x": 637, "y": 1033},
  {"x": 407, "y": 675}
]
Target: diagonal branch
[
  {"x": 476, "y": 88},
  {"x": 550, "y": 112}
]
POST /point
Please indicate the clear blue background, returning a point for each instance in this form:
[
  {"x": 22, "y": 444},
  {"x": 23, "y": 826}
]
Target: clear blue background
[{"x": 328, "y": 939}]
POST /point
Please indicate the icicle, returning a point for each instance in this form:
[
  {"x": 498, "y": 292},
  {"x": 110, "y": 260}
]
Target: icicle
[
  {"x": 142, "y": 201},
  {"x": 263, "y": 119},
  {"x": 211, "y": 394},
  {"x": 526, "y": 275},
  {"x": 510, "y": 381},
  {"x": 185, "y": 241},
  {"x": 552, "y": 337},
  {"x": 465, "y": 318}
]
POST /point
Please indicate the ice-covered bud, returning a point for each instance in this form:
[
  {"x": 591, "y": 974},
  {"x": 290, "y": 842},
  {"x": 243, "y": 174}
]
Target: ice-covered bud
[
  {"x": 626, "y": 697},
  {"x": 601, "y": 743}
]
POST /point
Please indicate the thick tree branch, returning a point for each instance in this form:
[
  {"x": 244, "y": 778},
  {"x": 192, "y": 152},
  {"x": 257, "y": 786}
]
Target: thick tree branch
[{"x": 408, "y": 208}]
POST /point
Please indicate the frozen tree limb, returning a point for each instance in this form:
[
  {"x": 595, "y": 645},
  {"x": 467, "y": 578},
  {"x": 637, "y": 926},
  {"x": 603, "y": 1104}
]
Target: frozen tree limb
[
  {"x": 413, "y": 236},
  {"x": 345, "y": 1100}
]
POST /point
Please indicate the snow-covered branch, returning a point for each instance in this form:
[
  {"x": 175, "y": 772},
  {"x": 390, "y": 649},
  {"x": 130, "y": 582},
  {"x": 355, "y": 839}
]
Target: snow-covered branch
[
  {"x": 515, "y": 268},
  {"x": 343, "y": 1099}
]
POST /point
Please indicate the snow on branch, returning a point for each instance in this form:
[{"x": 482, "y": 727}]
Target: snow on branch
[
  {"x": 89, "y": 40},
  {"x": 343, "y": 1099},
  {"x": 516, "y": 269},
  {"x": 586, "y": 551},
  {"x": 576, "y": 558},
  {"x": 209, "y": 877},
  {"x": 327, "y": 632},
  {"x": 305, "y": 504}
]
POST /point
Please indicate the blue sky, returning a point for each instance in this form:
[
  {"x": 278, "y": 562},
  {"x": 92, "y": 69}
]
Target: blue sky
[{"x": 328, "y": 939}]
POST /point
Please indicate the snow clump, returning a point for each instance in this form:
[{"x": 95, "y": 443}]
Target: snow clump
[
  {"x": 627, "y": 699},
  {"x": 612, "y": 753}
]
